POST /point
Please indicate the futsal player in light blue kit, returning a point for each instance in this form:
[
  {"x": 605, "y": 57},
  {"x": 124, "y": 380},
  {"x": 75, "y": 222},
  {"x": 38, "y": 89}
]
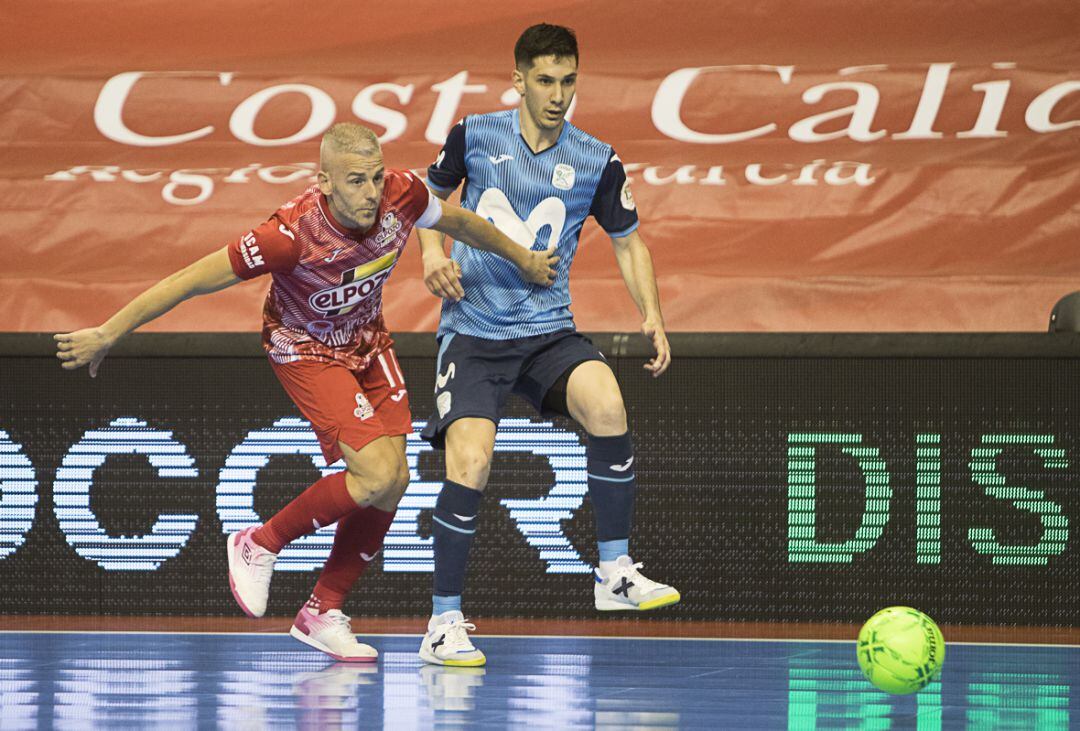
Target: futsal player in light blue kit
[{"x": 537, "y": 178}]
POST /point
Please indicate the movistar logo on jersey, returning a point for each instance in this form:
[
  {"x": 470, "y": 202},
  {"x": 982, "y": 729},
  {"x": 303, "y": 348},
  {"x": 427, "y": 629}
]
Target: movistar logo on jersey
[
  {"x": 550, "y": 212},
  {"x": 356, "y": 286}
]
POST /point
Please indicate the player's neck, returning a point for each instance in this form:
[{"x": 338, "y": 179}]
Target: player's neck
[{"x": 537, "y": 138}]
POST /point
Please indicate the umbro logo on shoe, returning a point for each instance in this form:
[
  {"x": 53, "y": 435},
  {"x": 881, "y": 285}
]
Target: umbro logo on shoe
[{"x": 246, "y": 553}]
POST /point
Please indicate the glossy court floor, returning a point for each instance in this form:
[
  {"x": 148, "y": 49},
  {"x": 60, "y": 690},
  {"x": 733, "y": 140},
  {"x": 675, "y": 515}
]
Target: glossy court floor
[{"x": 76, "y": 680}]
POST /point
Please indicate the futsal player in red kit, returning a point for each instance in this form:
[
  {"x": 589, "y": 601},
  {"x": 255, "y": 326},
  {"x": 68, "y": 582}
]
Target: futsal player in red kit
[{"x": 329, "y": 251}]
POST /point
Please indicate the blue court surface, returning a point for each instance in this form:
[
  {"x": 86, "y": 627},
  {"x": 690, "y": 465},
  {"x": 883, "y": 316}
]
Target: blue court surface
[{"x": 244, "y": 681}]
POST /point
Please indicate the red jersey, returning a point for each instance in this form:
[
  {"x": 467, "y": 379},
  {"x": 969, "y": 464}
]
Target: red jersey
[{"x": 326, "y": 299}]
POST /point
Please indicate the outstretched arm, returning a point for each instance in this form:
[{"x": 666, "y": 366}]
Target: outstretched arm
[
  {"x": 635, "y": 265},
  {"x": 442, "y": 275},
  {"x": 89, "y": 346},
  {"x": 537, "y": 267}
]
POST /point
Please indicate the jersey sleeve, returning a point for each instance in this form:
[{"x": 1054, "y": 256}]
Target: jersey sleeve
[
  {"x": 268, "y": 248},
  {"x": 613, "y": 204},
  {"x": 448, "y": 170}
]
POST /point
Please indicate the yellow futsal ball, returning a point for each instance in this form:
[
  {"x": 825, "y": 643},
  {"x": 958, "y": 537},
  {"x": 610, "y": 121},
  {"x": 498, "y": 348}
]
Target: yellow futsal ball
[{"x": 900, "y": 650}]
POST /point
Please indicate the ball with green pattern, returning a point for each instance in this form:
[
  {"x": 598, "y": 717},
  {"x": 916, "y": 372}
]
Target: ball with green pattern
[{"x": 900, "y": 650}]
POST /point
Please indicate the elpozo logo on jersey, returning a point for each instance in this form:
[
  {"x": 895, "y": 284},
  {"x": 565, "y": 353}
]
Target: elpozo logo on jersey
[{"x": 356, "y": 286}]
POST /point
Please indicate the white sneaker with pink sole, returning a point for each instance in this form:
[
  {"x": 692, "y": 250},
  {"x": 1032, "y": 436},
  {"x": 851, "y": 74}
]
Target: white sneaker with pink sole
[
  {"x": 331, "y": 633},
  {"x": 250, "y": 569}
]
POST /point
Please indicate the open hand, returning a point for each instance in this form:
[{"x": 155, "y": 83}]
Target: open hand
[
  {"x": 655, "y": 332},
  {"x": 82, "y": 347},
  {"x": 539, "y": 268}
]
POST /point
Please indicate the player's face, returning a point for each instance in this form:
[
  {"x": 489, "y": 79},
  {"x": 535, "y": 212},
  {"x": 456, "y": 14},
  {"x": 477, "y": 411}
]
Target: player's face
[
  {"x": 353, "y": 184},
  {"x": 547, "y": 88}
]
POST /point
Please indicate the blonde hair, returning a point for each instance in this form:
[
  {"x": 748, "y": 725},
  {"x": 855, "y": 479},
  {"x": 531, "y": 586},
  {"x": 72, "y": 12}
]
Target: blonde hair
[{"x": 348, "y": 137}]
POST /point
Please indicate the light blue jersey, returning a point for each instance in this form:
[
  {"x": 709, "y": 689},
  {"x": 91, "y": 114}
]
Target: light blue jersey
[{"x": 537, "y": 199}]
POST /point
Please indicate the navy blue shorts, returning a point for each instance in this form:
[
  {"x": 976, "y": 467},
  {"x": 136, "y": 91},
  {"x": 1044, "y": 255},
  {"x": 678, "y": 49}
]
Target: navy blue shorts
[{"x": 475, "y": 376}]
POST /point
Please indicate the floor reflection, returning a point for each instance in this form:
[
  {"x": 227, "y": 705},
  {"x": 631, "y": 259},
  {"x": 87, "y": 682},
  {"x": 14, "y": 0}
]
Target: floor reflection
[
  {"x": 269, "y": 681},
  {"x": 451, "y": 689}
]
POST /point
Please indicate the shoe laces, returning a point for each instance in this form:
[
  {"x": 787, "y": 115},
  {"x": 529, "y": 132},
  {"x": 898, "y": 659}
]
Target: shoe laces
[
  {"x": 338, "y": 624},
  {"x": 457, "y": 634},
  {"x": 262, "y": 565},
  {"x": 644, "y": 584}
]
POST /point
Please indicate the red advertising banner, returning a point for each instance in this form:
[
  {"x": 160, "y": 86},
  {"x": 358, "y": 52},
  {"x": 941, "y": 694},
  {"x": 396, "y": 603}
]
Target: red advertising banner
[{"x": 837, "y": 165}]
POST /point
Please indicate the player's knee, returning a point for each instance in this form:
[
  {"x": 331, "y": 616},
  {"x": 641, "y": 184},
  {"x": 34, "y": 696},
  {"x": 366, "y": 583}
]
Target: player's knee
[
  {"x": 605, "y": 416},
  {"x": 388, "y": 498},
  {"x": 357, "y": 484},
  {"x": 391, "y": 477},
  {"x": 401, "y": 479},
  {"x": 473, "y": 476},
  {"x": 378, "y": 481},
  {"x": 469, "y": 465}
]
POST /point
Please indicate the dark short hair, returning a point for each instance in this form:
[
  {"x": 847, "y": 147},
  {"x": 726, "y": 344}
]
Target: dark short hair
[{"x": 545, "y": 40}]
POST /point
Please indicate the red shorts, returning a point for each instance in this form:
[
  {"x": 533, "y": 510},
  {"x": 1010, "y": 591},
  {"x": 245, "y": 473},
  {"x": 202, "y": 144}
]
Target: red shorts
[{"x": 354, "y": 407}]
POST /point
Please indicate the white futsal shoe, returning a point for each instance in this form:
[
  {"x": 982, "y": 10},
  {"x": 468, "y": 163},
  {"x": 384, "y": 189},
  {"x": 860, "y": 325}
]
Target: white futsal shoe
[
  {"x": 330, "y": 632},
  {"x": 250, "y": 569},
  {"x": 447, "y": 642},
  {"x": 625, "y": 588}
]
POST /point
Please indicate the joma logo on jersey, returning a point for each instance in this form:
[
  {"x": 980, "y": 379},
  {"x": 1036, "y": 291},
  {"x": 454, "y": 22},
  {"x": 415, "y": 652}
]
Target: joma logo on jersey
[
  {"x": 356, "y": 286},
  {"x": 249, "y": 249}
]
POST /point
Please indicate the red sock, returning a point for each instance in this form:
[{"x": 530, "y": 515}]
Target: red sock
[
  {"x": 321, "y": 504},
  {"x": 359, "y": 537}
]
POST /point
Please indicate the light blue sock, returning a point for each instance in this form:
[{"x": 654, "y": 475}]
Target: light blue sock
[
  {"x": 611, "y": 550},
  {"x": 443, "y": 604}
]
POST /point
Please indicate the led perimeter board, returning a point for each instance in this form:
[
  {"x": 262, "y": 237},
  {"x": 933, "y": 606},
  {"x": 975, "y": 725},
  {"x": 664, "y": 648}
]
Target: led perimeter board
[{"x": 780, "y": 478}]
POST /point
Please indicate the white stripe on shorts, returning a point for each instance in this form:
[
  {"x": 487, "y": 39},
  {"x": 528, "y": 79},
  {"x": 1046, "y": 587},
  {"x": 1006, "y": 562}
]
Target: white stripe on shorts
[
  {"x": 386, "y": 370},
  {"x": 397, "y": 366}
]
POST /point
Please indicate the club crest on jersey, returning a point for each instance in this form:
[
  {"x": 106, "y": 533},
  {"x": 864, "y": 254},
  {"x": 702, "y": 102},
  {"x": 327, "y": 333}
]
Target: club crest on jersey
[
  {"x": 563, "y": 177},
  {"x": 390, "y": 226},
  {"x": 364, "y": 410},
  {"x": 356, "y": 286},
  {"x": 626, "y": 197}
]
